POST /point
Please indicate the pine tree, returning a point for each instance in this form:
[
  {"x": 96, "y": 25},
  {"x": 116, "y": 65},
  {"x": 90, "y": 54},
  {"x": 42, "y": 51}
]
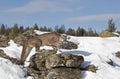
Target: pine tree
[
  {"x": 21, "y": 29},
  {"x": 7, "y": 31},
  {"x": 43, "y": 28},
  {"x": 14, "y": 31},
  {"x": 111, "y": 26},
  {"x": 2, "y": 29},
  {"x": 80, "y": 32},
  {"x": 49, "y": 29},
  {"x": 56, "y": 28},
  {"x": 35, "y": 27},
  {"x": 61, "y": 29},
  {"x": 11, "y": 34},
  {"x": 70, "y": 31}
]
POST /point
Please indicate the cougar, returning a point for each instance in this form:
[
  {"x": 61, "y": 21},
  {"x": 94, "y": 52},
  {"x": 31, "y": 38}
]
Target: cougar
[{"x": 50, "y": 39}]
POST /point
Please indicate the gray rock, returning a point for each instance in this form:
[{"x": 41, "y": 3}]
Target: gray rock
[
  {"x": 48, "y": 65},
  {"x": 68, "y": 45},
  {"x": 117, "y": 54},
  {"x": 91, "y": 68},
  {"x": 64, "y": 73}
]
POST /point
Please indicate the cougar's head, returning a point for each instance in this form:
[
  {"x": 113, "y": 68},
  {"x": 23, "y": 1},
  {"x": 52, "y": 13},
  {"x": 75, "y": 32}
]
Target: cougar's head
[{"x": 63, "y": 37}]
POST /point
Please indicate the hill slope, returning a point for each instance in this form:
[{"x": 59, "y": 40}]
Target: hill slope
[{"x": 95, "y": 50}]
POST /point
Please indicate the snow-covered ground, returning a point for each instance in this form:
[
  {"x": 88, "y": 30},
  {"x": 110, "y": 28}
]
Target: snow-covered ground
[{"x": 95, "y": 50}]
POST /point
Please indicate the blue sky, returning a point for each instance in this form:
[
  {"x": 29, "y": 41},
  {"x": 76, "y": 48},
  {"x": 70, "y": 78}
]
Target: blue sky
[{"x": 71, "y": 13}]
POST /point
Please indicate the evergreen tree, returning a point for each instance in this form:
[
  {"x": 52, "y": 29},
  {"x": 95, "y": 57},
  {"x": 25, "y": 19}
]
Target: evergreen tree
[
  {"x": 11, "y": 34},
  {"x": 7, "y": 31},
  {"x": 43, "y": 28},
  {"x": 111, "y": 26},
  {"x": 70, "y": 31},
  {"x": 80, "y": 32},
  {"x": 35, "y": 27},
  {"x": 90, "y": 32},
  {"x": 61, "y": 29},
  {"x": 49, "y": 29},
  {"x": 21, "y": 29},
  {"x": 2, "y": 29},
  {"x": 56, "y": 28},
  {"x": 14, "y": 31}
]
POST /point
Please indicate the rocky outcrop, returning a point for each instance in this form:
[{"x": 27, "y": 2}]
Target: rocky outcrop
[
  {"x": 49, "y": 65},
  {"x": 104, "y": 34},
  {"x": 13, "y": 60}
]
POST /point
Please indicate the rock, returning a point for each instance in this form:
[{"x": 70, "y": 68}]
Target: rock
[
  {"x": 110, "y": 62},
  {"x": 64, "y": 73},
  {"x": 38, "y": 60},
  {"x": 104, "y": 34},
  {"x": 72, "y": 60},
  {"x": 117, "y": 54},
  {"x": 48, "y": 65},
  {"x": 56, "y": 73},
  {"x": 68, "y": 45},
  {"x": 49, "y": 59},
  {"x": 91, "y": 68},
  {"x": 54, "y": 61},
  {"x": 13, "y": 60}
]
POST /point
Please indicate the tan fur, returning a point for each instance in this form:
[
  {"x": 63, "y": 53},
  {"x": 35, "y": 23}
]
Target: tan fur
[{"x": 50, "y": 39}]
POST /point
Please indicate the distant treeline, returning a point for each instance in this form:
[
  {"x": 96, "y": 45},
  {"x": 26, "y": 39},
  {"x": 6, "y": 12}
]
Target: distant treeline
[{"x": 13, "y": 31}]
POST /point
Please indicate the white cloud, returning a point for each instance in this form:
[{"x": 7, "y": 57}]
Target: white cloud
[
  {"x": 100, "y": 17},
  {"x": 41, "y": 6}
]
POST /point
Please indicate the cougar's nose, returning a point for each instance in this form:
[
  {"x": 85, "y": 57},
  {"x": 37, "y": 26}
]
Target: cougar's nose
[{"x": 68, "y": 37}]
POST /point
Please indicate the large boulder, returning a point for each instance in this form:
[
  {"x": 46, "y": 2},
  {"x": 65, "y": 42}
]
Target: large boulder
[
  {"x": 48, "y": 65},
  {"x": 105, "y": 33}
]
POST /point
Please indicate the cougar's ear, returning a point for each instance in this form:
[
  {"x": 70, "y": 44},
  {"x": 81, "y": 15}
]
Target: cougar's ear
[{"x": 64, "y": 36}]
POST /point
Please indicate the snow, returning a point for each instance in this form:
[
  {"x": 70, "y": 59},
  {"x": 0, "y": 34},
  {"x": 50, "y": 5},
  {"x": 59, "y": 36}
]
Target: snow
[
  {"x": 9, "y": 70},
  {"x": 98, "y": 52},
  {"x": 95, "y": 50}
]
